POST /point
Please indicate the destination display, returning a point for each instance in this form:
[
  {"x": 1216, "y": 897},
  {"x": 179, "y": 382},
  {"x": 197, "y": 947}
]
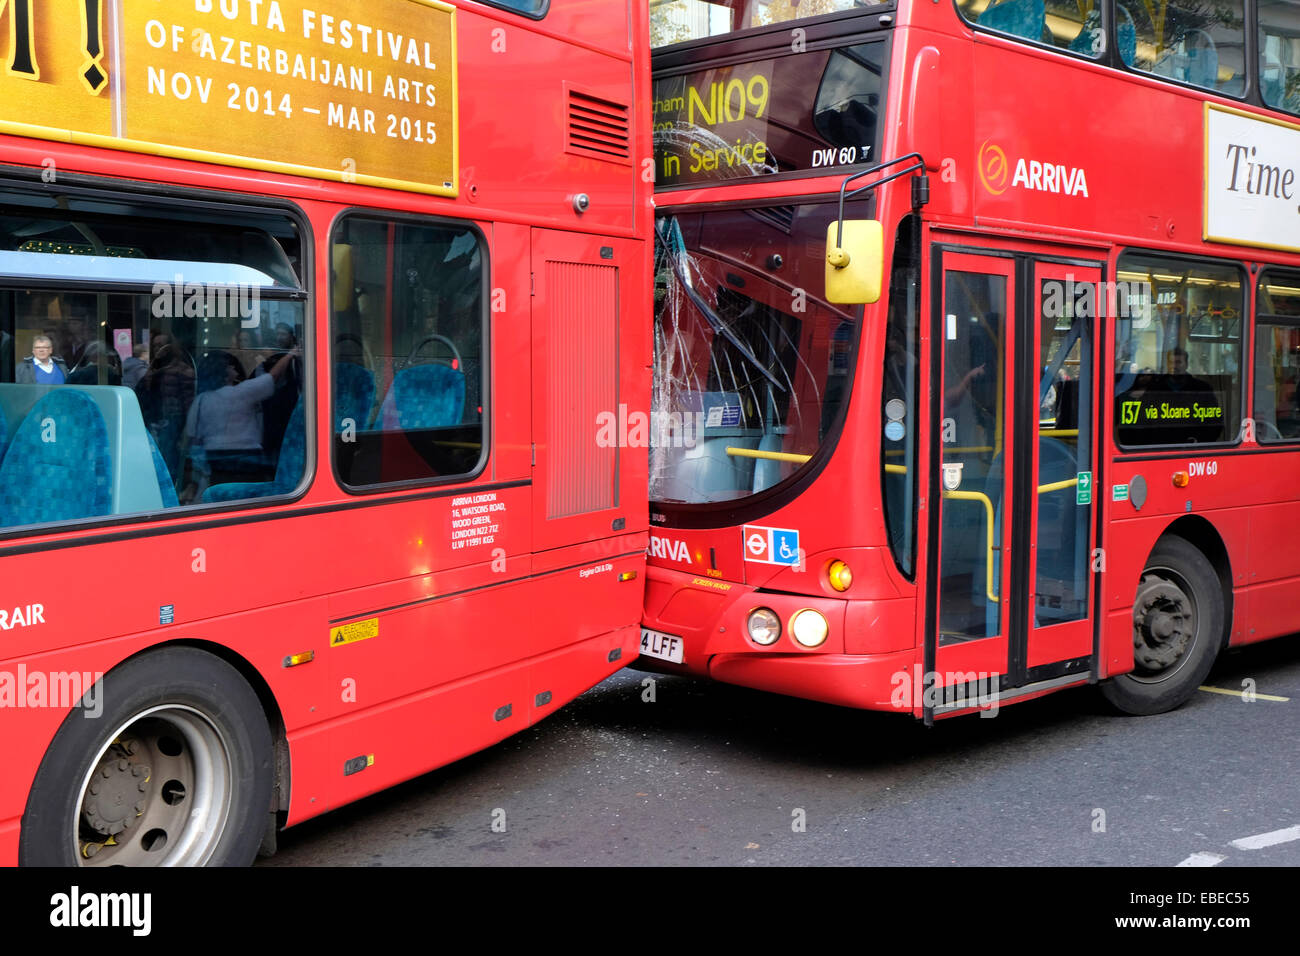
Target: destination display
[
  {"x": 363, "y": 93},
  {"x": 1157, "y": 414},
  {"x": 803, "y": 111}
]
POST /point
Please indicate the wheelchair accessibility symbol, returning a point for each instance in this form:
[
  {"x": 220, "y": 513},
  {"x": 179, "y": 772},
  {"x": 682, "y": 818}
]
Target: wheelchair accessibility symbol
[{"x": 771, "y": 545}]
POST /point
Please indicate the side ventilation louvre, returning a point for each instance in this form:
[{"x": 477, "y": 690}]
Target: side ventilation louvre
[
  {"x": 782, "y": 217},
  {"x": 598, "y": 128},
  {"x": 582, "y": 333}
]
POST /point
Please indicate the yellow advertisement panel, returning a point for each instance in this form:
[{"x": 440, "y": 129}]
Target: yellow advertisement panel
[{"x": 362, "y": 92}]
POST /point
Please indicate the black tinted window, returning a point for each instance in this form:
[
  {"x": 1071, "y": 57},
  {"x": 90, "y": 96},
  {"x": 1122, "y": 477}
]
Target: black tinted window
[{"x": 408, "y": 359}]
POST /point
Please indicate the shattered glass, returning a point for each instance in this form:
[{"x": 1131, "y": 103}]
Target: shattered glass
[{"x": 752, "y": 365}]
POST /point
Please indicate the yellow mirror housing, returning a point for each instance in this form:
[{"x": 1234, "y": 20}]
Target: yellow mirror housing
[{"x": 854, "y": 265}]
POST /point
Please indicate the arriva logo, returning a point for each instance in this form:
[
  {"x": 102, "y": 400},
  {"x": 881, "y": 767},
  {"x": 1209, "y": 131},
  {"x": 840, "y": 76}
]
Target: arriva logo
[
  {"x": 993, "y": 168},
  {"x": 669, "y": 549},
  {"x": 1033, "y": 174}
]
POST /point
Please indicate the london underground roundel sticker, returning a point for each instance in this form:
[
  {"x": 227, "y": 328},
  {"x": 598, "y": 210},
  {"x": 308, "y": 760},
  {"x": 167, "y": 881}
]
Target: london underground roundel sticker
[{"x": 771, "y": 545}]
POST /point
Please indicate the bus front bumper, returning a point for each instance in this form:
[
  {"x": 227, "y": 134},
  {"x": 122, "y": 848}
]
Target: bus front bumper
[{"x": 708, "y": 619}]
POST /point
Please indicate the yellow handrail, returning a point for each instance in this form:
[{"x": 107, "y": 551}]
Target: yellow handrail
[
  {"x": 1058, "y": 485},
  {"x": 1042, "y": 489},
  {"x": 769, "y": 455},
  {"x": 988, "y": 511}
]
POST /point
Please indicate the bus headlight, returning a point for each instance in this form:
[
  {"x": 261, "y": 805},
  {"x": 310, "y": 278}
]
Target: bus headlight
[
  {"x": 840, "y": 576},
  {"x": 764, "y": 626},
  {"x": 809, "y": 628}
]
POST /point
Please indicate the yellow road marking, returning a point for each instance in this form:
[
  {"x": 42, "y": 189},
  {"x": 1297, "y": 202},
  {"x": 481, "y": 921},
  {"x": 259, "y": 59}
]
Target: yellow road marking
[{"x": 1239, "y": 693}]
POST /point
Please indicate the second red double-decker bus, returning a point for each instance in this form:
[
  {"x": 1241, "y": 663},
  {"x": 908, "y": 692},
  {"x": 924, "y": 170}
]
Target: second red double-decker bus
[
  {"x": 308, "y": 315},
  {"x": 1055, "y": 446}
]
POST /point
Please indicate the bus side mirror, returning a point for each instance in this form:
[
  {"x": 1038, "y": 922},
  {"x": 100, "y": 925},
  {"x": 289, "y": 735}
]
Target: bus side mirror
[{"x": 854, "y": 265}]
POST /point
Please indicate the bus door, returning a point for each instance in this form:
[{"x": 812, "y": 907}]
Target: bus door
[{"x": 1010, "y": 564}]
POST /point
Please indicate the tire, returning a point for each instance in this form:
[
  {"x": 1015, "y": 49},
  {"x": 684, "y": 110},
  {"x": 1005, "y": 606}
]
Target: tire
[
  {"x": 1178, "y": 619},
  {"x": 183, "y": 736}
]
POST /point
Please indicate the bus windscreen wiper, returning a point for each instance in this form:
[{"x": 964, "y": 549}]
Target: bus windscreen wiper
[{"x": 670, "y": 234}]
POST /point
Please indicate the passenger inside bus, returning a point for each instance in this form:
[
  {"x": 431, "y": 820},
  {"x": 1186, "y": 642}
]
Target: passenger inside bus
[
  {"x": 97, "y": 360},
  {"x": 224, "y": 428},
  {"x": 135, "y": 365},
  {"x": 1178, "y": 379},
  {"x": 165, "y": 393},
  {"x": 279, "y": 407},
  {"x": 42, "y": 367}
]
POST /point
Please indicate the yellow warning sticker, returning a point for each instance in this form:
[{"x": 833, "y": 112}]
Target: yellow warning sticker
[{"x": 356, "y": 631}]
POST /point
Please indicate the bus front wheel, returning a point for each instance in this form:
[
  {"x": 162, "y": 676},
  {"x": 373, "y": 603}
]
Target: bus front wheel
[
  {"x": 1177, "y": 627},
  {"x": 175, "y": 770}
]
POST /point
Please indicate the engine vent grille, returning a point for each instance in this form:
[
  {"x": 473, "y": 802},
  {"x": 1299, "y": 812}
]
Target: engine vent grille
[{"x": 598, "y": 128}]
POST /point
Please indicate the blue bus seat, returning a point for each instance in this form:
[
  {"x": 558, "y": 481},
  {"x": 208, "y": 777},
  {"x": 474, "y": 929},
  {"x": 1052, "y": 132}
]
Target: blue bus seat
[
  {"x": 768, "y": 472},
  {"x": 135, "y": 484},
  {"x": 57, "y": 467},
  {"x": 166, "y": 489},
  {"x": 424, "y": 396},
  {"x": 1126, "y": 34},
  {"x": 1203, "y": 64},
  {"x": 288, "y": 472},
  {"x": 354, "y": 395},
  {"x": 1022, "y": 18}
]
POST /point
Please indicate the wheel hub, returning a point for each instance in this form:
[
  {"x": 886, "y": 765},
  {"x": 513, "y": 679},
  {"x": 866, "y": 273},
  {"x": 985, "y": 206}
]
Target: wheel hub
[
  {"x": 159, "y": 793},
  {"x": 116, "y": 795},
  {"x": 1164, "y": 622}
]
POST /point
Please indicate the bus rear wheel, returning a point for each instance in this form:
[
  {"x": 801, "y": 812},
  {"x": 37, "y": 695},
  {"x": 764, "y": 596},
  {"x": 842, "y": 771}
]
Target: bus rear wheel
[
  {"x": 1177, "y": 627},
  {"x": 175, "y": 771}
]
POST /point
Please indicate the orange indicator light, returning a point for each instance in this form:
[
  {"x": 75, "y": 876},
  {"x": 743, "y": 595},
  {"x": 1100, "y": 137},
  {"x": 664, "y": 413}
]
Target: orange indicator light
[{"x": 840, "y": 576}]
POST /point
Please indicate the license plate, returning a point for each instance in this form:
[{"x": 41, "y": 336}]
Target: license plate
[{"x": 666, "y": 647}]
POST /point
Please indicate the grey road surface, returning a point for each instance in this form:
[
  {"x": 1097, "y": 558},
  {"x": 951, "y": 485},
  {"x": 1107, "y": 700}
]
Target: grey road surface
[{"x": 713, "y": 775}]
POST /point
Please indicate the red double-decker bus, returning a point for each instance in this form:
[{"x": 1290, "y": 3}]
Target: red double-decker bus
[
  {"x": 308, "y": 315},
  {"x": 1027, "y": 419}
]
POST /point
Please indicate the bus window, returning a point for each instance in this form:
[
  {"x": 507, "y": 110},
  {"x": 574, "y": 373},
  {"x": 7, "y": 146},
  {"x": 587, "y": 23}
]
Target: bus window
[
  {"x": 1178, "y": 352},
  {"x": 901, "y": 396},
  {"x": 972, "y": 431},
  {"x": 676, "y": 21},
  {"x": 529, "y": 8},
  {"x": 1279, "y": 54},
  {"x": 752, "y": 365},
  {"x": 408, "y": 361},
  {"x": 1203, "y": 46},
  {"x": 186, "y": 361},
  {"x": 1065, "y": 24},
  {"x": 775, "y": 131},
  {"x": 846, "y": 109},
  {"x": 1277, "y": 358}
]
